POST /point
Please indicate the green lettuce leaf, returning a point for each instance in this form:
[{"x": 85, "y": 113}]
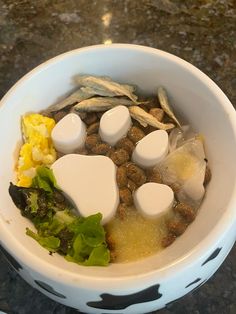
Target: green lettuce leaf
[
  {"x": 50, "y": 243},
  {"x": 45, "y": 179}
]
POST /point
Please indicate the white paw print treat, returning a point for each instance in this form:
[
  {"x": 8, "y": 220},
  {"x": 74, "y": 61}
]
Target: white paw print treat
[
  {"x": 69, "y": 134},
  {"x": 152, "y": 149},
  {"x": 90, "y": 182},
  {"x": 153, "y": 199},
  {"x": 114, "y": 124}
]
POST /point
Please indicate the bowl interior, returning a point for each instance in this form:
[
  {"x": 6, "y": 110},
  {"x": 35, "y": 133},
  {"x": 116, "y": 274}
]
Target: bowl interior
[{"x": 196, "y": 99}]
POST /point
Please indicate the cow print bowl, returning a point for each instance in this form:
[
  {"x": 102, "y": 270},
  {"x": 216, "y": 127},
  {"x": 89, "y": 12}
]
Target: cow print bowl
[{"x": 151, "y": 283}]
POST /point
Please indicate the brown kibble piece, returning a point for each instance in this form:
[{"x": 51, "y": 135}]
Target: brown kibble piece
[
  {"x": 135, "y": 134},
  {"x": 121, "y": 177},
  {"x": 168, "y": 240},
  {"x": 59, "y": 154},
  {"x": 92, "y": 140},
  {"x": 82, "y": 115},
  {"x": 176, "y": 227},
  {"x": 110, "y": 152},
  {"x": 131, "y": 186},
  {"x": 121, "y": 210},
  {"x": 158, "y": 113},
  {"x": 185, "y": 211},
  {"x": 126, "y": 144},
  {"x": 100, "y": 149},
  {"x": 126, "y": 196},
  {"x": 175, "y": 188},
  {"x": 100, "y": 114},
  {"x": 59, "y": 115},
  {"x": 153, "y": 176},
  {"x": 207, "y": 178},
  {"x": 90, "y": 118},
  {"x": 93, "y": 128},
  {"x": 119, "y": 156},
  {"x": 81, "y": 151},
  {"x": 135, "y": 174}
]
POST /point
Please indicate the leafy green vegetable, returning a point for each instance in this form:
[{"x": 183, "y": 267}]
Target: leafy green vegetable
[
  {"x": 59, "y": 229},
  {"x": 32, "y": 202},
  {"x": 45, "y": 179},
  {"x": 50, "y": 243}
]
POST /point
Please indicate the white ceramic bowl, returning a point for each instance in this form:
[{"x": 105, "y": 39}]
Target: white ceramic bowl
[{"x": 151, "y": 283}]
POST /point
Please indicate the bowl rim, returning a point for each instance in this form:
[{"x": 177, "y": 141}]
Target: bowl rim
[{"x": 225, "y": 223}]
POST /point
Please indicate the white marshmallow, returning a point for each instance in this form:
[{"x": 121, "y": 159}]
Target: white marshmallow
[
  {"x": 153, "y": 199},
  {"x": 90, "y": 182},
  {"x": 114, "y": 124},
  {"x": 151, "y": 149},
  {"x": 69, "y": 134}
]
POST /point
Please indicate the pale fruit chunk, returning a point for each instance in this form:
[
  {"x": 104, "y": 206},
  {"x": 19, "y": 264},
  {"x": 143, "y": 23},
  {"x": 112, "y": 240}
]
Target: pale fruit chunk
[
  {"x": 152, "y": 149},
  {"x": 114, "y": 124},
  {"x": 185, "y": 168},
  {"x": 153, "y": 199},
  {"x": 90, "y": 182},
  {"x": 69, "y": 134}
]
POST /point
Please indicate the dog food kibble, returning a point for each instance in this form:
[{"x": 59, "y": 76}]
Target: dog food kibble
[
  {"x": 131, "y": 186},
  {"x": 81, "y": 151},
  {"x": 100, "y": 149},
  {"x": 59, "y": 115},
  {"x": 176, "y": 226},
  {"x": 122, "y": 211},
  {"x": 121, "y": 177},
  {"x": 126, "y": 144},
  {"x": 93, "y": 128},
  {"x": 135, "y": 134},
  {"x": 126, "y": 196},
  {"x": 119, "y": 156},
  {"x": 136, "y": 174},
  {"x": 168, "y": 240},
  {"x": 185, "y": 211},
  {"x": 153, "y": 176},
  {"x": 92, "y": 140},
  {"x": 90, "y": 118},
  {"x": 158, "y": 113}
]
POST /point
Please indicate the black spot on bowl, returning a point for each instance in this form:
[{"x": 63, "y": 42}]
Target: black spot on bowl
[
  {"x": 198, "y": 286},
  {"x": 120, "y": 302},
  {"x": 193, "y": 282},
  {"x": 49, "y": 289},
  {"x": 10, "y": 259},
  {"x": 212, "y": 256}
]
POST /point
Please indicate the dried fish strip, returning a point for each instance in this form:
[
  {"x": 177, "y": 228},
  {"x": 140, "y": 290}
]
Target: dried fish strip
[
  {"x": 101, "y": 83},
  {"x": 98, "y": 92},
  {"x": 145, "y": 119},
  {"x": 96, "y": 104},
  {"x": 75, "y": 97},
  {"x": 162, "y": 96}
]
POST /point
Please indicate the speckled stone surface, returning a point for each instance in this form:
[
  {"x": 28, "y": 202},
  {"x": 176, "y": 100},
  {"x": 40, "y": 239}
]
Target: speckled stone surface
[{"x": 202, "y": 32}]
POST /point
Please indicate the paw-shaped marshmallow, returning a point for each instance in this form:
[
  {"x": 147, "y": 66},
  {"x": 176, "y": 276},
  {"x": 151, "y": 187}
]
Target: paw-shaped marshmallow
[
  {"x": 151, "y": 149},
  {"x": 69, "y": 134},
  {"x": 153, "y": 199},
  {"x": 114, "y": 124},
  {"x": 90, "y": 182}
]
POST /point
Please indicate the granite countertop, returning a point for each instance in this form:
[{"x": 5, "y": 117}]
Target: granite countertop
[{"x": 202, "y": 32}]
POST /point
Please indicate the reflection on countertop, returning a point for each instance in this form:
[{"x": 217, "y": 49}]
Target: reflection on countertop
[{"x": 202, "y": 32}]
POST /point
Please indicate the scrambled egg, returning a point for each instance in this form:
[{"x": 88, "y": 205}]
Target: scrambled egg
[{"x": 37, "y": 149}]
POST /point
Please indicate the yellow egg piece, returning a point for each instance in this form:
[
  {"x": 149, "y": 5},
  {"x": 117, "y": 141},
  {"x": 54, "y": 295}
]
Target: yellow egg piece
[{"x": 38, "y": 147}]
